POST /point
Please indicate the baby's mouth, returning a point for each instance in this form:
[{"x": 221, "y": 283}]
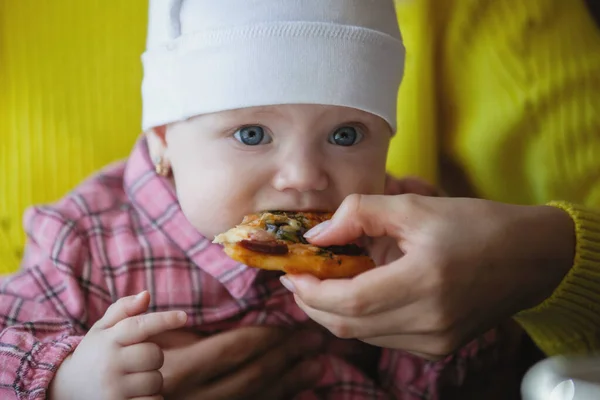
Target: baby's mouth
[{"x": 310, "y": 209}]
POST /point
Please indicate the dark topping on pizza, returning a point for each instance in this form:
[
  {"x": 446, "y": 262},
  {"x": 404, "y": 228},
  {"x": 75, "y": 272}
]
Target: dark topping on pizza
[
  {"x": 347, "y": 250},
  {"x": 271, "y": 247},
  {"x": 305, "y": 220},
  {"x": 291, "y": 228},
  {"x": 272, "y": 228}
]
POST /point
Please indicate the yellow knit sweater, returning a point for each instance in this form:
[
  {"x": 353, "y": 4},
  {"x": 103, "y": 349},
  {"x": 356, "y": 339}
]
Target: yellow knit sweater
[{"x": 509, "y": 91}]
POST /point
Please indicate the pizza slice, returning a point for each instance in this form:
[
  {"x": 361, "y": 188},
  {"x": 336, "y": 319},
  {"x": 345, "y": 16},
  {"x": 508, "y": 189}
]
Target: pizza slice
[{"x": 274, "y": 240}]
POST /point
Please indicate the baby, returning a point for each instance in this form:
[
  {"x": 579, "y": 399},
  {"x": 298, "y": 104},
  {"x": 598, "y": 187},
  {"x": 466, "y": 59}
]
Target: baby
[{"x": 247, "y": 106}]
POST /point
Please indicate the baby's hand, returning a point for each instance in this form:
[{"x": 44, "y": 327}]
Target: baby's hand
[
  {"x": 394, "y": 186},
  {"x": 114, "y": 360}
]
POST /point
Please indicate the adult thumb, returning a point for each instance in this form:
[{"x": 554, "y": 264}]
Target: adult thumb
[
  {"x": 124, "y": 308},
  {"x": 358, "y": 216}
]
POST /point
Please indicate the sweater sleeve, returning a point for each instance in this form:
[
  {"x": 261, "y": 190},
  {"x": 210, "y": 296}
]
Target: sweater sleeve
[
  {"x": 569, "y": 321},
  {"x": 559, "y": 160},
  {"x": 44, "y": 309},
  {"x": 519, "y": 99}
]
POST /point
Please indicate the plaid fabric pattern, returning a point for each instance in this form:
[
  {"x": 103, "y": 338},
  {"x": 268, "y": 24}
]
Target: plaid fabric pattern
[{"x": 121, "y": 232}]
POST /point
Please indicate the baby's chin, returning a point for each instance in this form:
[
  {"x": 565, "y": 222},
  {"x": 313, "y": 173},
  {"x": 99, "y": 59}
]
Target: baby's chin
[
  {"x": 212, "y": 230},
  {"x": 212, "y": 224}
]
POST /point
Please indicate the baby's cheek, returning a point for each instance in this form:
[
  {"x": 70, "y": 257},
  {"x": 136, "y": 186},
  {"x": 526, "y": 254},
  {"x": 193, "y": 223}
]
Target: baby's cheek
[{"x": 201, "y": 214}]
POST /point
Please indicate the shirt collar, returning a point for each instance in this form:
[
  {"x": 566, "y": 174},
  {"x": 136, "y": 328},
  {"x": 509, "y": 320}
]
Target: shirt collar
[{"x": 155, "y": 199}]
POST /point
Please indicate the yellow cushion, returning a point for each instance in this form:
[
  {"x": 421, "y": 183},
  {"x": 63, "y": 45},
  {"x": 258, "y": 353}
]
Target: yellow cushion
[{"x": 70, "y": 103}]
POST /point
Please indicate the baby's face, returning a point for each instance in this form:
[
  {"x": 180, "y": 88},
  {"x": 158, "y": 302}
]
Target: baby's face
[{"x": 291, "y": 157}]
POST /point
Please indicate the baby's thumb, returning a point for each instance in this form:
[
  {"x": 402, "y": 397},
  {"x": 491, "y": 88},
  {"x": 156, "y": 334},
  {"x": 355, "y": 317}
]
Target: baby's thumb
[
  {"x": 357, "y": 216},
  {"x": 124, "y": 308}
]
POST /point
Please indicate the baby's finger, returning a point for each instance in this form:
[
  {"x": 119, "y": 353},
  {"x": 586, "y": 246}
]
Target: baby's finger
[
  {"x": 123, "y": 308},
  {"x": 139, "y": 328},
  {"x": 143, "y": 384},
  {"x": 141, "y": 357}
]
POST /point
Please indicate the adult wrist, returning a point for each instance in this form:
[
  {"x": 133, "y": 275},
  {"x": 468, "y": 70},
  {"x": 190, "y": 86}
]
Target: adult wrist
[
  {"x": 567, "y": 320},
  {"x": 556, "y": 247}
]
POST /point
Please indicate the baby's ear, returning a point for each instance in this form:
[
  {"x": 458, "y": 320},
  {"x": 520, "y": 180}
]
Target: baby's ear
[
  {"x": 161, "y": 132},
  {"x": 157, "y": 144},
  {"x": 158, "y": 133},
  {"x": 394, "y": 186}
]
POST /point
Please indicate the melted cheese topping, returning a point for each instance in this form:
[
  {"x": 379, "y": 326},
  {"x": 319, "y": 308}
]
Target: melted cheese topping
[{"x": 237, "y": 234}]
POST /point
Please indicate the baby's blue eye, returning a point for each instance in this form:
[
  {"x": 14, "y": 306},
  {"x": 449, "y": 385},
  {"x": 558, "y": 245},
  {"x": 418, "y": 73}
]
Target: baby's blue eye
[
  {"x": 345, "y": 136},
  {"x": 252, "y": 136}
]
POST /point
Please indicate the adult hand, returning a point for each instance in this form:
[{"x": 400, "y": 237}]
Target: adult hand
[
  {"x": 251, "y": 362},
  {"x": 461, "y": 267}
]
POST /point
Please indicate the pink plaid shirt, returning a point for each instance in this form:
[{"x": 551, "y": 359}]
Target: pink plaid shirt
[{"x": 122, "y": 231}]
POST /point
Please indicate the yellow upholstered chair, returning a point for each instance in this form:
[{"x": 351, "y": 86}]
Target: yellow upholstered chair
[{"x": 70, "y": 76}]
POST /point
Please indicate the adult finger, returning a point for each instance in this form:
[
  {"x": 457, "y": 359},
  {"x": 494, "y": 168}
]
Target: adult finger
[
  {"x": 360, "y": 215},
  {"x": 139, "y": 328},
  {"x": 123, "y": 308},
  {"x": 304, "y": 376},
  {"x": 264, "y": 371},
  {"x": 409, "y": 320},
  {"x": 141, "y": 357},
  {"x": 156, "y": 397},
  {"x": 429, "y": 347},
  {"x": 142, "y": 384},
  {"x": 228, "y": 351},
  {"x": 380, "y": 289}
]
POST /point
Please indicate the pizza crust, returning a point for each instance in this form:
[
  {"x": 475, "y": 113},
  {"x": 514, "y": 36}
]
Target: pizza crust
[{"x": 302, "y": 259}]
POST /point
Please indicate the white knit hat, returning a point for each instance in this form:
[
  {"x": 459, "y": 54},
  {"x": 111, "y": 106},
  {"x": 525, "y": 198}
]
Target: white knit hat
[{"x": 213, "y": 55}]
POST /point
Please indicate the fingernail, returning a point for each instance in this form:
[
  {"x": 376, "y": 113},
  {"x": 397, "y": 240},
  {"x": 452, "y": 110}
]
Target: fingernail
[
  {"x": 140, "y": 295},
  {"x": 182, "y": 316},
  {"x": 317, "y": 230},
  {"x": 288, "y": 284}
]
